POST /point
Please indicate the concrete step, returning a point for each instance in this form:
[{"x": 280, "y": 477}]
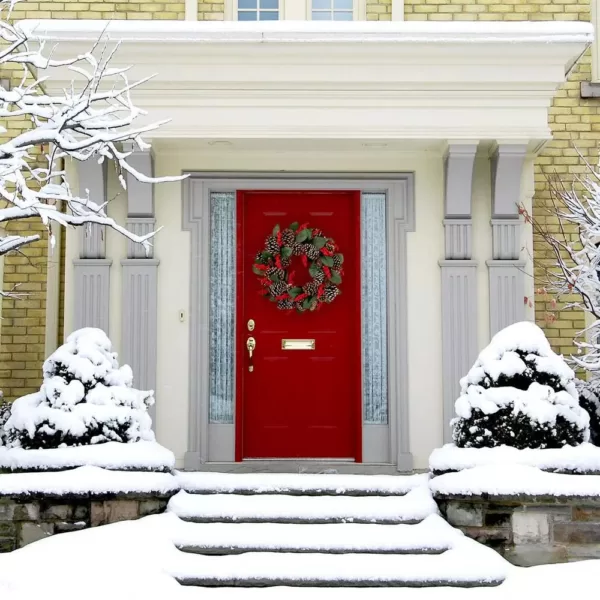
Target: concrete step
[
  {"x": 293, "y": 484},
  {"x": 266, "y": 569},
  {"x": 431, "y": 536},
  {"x": 272, "y": 508}
]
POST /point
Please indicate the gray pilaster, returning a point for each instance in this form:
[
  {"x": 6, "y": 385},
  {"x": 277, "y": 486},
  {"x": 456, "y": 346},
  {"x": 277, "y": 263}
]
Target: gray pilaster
[
  {"x": 92, "y": 183},
  {"x": 92, "y": 292},
  {"x": 459, "y": 277},
  {"x": 92, "y": 269},
  {"x": 459, "y": 329},
  {"x": 140, "y": 281},
  {"x": 506, "y": 274},
  {"x": 139, "y": 320}
]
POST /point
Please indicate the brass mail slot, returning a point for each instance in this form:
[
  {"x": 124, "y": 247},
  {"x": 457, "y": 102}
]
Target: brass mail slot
[{"x": 297, "y": 344}]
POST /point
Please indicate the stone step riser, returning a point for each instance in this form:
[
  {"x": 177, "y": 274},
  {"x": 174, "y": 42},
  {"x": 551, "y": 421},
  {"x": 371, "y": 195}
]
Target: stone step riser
[
  {"x": 300, "y": 521},
  {"x": 328, "y": 583},
  {"x": 307, "y": 493},
  {"x": 227, "y": 551}
]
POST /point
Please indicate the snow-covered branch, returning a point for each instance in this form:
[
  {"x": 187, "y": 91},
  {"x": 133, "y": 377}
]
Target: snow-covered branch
[
  {"x": 574, "y": 238},
  {"x": 88, "y": 121}
]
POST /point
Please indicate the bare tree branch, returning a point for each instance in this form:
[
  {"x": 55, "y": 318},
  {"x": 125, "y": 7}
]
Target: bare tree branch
[{"x": 86, "y": 122}]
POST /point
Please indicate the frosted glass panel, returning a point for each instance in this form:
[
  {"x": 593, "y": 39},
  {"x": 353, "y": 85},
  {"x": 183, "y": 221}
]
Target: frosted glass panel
[
  {"x": 374, "y": 307},
  {"x": 222, "y": 307}
]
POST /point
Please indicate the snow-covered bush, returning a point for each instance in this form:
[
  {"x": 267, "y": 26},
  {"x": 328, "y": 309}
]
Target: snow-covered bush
[
  {"x": 4, "y": 415},
  {"x": 519, "y": 393},
  {"x": 85, "y": 399},
  {"x": 589, "y": 399}
]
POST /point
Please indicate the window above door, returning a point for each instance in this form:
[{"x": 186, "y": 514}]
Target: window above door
[{"x": 296, "y": 10}]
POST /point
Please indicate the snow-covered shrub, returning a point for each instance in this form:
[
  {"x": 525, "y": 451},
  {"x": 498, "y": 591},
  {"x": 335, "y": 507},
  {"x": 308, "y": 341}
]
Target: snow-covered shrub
[
  {"x": 4, "y": 415},
  {"x": 85, "y": 399},
  {"x": 589, "y": 399},
  {"x": 519, "y": 393}
]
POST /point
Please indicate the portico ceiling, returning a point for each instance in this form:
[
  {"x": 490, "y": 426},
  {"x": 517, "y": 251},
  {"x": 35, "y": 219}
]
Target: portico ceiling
[{"x": 337, "y": 81}]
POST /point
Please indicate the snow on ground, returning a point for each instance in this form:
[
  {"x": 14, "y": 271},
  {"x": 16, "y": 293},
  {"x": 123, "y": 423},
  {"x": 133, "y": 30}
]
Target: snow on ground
[
  {"x": 140, "y": 456},
  {"x": 87, "y": 480},
  {"x": 578, "y": 459},
  {"x": 512, "y": 480},
  {"x": 133, "y": 560},
  {"x": 277, "y": 483}
]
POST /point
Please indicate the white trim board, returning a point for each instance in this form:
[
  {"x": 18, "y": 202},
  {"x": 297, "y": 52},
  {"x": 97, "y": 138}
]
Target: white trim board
[{"x": 208, "y": 443}]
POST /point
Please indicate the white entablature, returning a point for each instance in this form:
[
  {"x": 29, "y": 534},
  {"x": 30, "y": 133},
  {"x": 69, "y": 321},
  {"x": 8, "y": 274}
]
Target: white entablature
[{"x": 331, "y": 80}]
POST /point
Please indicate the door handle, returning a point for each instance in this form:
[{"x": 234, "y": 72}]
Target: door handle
[{"x": 250, "y": 345}]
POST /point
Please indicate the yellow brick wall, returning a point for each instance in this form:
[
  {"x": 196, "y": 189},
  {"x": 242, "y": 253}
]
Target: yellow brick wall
[
  {"x": 379, "y": 10},
  {"x": 100, "y": 9},
  {"x": 575, "y": 125},
  {"x": 211, "y": 10}
]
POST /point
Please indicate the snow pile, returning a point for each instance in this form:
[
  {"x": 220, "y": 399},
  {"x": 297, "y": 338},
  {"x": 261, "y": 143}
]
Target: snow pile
[
  {"x": 85, "y": 481},
  {"x": 515, "y": 480},
  {"x": 589, "y": 399},
  {"x": 575, "y": 459},
  {"x": 85, "y": 399},
  {"x": 141, "y": 456},
  {"x": 519, "y": 393}
]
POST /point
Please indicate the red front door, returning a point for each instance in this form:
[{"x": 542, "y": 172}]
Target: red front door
[{"x": 299, "y": 403}]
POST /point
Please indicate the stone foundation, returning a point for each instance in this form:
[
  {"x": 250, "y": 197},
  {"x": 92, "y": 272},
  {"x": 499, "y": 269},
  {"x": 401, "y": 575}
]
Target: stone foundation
[
  {"x": 529, "y": 530},
  {"x": 24, "y": 519}
]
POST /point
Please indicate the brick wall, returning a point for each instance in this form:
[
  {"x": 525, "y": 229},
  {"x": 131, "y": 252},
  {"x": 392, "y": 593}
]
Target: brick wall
[
  {"x": 575, "y": 125},
  {"x": 100, "y": 9},
  {"x": 379, "y": 10}
]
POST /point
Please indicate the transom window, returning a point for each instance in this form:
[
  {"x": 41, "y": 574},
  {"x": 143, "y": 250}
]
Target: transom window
[
  {"x": 332, "y": 10},
  {"x": 258, "y": 10}
]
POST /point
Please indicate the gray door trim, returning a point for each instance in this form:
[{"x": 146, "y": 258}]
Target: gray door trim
[{"x": 206, "y": 446}]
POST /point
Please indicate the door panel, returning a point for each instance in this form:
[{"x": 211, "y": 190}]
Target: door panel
[{"x": 299, "y": 403}]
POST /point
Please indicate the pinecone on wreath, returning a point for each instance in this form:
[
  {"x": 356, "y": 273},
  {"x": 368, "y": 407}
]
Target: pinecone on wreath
[
  {"x": 337, "y": 261},
  {"x": 298, "y": 249},
  {"x": 278, "y": 288},
  {"x": 310, "y": 288},
  {"x": 271, "y": 245},
  {"x": 288, "y": 237},
  {"x": 275, "y": 271},
  {"x": 311, "y": 251},
  {"x": 329, "y": 293},
  {"x": 286, "y": 304},
  {"x": 319, "y": 277}
]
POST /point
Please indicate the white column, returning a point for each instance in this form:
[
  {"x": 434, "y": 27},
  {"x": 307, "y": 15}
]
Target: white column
[
  {"x": 397, "y": 10},
  {"x": 191, "y": 10}
]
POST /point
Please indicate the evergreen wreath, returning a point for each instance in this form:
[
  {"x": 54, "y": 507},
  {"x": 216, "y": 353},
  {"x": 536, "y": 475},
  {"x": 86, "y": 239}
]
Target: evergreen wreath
[{"x": 318, "y": 253}]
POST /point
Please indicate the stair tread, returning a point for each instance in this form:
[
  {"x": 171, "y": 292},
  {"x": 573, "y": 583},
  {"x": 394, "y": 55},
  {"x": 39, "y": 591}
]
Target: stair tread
[
  {"x": 413, "y": 507},
  {"x": 433, "y": 535},
  {"x": 295, "y": 483},
  {"x": 463, "y": 565}
]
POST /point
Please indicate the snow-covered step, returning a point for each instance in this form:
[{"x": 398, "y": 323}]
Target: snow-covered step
[
  {"x": 298, "y": 484},
  {"x": 452, "y": 568},
  {"x": 411, "y": 508},
  {"x": 431, "y": 536}
]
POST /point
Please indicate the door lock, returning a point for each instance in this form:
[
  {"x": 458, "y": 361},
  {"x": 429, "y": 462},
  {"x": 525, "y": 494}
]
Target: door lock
[{"x": 251, "y": 325}]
